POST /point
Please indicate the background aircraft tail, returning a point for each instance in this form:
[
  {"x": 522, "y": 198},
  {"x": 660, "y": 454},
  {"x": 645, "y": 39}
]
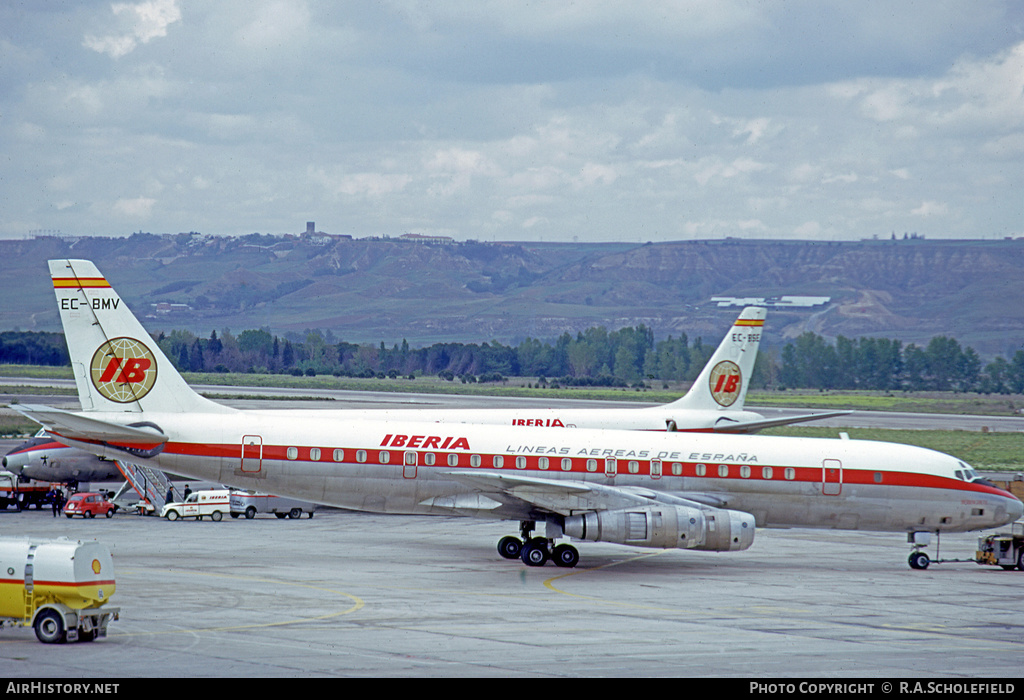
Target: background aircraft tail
[
  {"x": 724, "y": 381},
  {"x": 117, "y": 365}
]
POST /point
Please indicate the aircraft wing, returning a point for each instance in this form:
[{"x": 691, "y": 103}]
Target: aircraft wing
[
  {"x": 568, "y": 497},
  {"x": 76, "y": 426},
  {"x": 728, "y": 426}
]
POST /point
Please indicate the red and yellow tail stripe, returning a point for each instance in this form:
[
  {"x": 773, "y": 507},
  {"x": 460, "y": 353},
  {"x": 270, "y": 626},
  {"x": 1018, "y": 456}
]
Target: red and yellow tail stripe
[
  {"x": 756, "y": 322},
  {"x": 80, "y": 282}
]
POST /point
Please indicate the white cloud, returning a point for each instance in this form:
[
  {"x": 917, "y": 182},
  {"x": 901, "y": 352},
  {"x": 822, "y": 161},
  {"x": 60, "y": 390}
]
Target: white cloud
[
  {"x": 137, "y": 208},
  {"x": 141, "y": 22},
  {"x": 931, "y": 209}
]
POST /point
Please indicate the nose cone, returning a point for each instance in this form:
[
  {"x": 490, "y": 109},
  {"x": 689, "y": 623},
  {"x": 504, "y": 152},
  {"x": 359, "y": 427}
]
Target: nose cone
[
  {"x": 14, "y": 461},
  {"x": 1014, "y": 509}
]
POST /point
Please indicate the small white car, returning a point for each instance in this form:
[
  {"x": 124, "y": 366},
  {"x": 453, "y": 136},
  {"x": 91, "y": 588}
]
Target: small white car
[{"x": 216, "y": 503}]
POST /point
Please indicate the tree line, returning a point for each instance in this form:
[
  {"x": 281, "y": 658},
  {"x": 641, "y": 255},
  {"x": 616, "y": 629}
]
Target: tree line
[{"x": 595, "y": 357}]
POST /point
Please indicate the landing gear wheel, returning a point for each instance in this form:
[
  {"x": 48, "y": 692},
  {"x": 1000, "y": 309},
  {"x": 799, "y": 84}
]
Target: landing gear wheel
[
  {"x": 510, "y": 547},
  {"x": 566, "y": 556},
  {"x": 49, "y": 627},
  {"x": 919, "y": 560},
  {"x": 535, "y": 552}
]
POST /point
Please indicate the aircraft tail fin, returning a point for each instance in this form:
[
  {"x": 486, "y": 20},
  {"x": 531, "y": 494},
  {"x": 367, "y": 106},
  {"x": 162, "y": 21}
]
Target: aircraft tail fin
[
  {"x": 724, "y": 381},
  {"x": 117, "y": 365}
]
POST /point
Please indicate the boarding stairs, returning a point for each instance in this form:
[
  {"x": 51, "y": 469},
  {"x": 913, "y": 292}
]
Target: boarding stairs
[{"x": 151, "y": 484}]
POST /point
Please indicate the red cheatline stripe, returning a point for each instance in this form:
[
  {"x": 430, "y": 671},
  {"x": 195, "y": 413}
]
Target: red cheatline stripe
[
  {"x": 805, "y": 474},
  {"x": 83, "y": 282}
]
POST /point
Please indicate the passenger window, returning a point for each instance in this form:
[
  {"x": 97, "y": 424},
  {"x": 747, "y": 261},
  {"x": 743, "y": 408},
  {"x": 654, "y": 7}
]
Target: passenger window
[
  {"x": 566, "y": 464},
  {"x": 520, "y": 462},
  {"x": 498, "y": 461},
  {"x": 453, "y": 460},
  {"x": 745, "y": 472},
  {"x": 701, "y": 469},
  {"x": 591, "y": 465},
  {"x": 723, "y": 470},
  {"x": 633, "y": 466},
  {"x": 475, "y": 460},
  {"x": 766, "y": 473},
  {"x": 339, "y": 455},
  {"x": 292, "y": 453},
  {"x": 677, "y": 469},
  {"x": 790, "y": 473},
  {"x": 542, "y": 463},
  {"x": 360, "y": 456},
  {"x": 384, "y": 457},
  {"x": 314, "y": 454},
  {"x": 428, "y": 459}
]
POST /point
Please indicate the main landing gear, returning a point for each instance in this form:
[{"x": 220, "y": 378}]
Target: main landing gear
[{"x": 535, "y": 551}]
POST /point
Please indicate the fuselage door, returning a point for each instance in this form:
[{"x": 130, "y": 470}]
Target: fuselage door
[
  {"x": 409, "y": 464},
  {"x": 831, "y": 477},
  {"x": 252, "y": 454}
]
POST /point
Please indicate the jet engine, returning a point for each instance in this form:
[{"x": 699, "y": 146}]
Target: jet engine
[{"x": 665, "y": 526}]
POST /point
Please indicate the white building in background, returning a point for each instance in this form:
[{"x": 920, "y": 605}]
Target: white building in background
[{"x": 783, "y": 302}]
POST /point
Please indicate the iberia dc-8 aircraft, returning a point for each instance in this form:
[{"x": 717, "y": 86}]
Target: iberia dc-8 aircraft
[
  {"x": 701, "y": 491},
  {"x": 713, "y": 404}
]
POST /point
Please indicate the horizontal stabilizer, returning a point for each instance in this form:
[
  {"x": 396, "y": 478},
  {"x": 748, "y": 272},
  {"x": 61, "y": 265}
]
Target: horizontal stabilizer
[
  {"x": 725, "y": 426},
  {"x": 77, "y": 426}
]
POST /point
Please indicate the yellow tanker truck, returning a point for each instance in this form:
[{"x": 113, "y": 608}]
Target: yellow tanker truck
[{"x": 60, "y": 587}]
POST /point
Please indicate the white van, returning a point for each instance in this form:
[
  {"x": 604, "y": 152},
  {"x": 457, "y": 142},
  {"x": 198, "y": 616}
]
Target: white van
[
  {"x": 249, "y": 503},
  {"x": 215, "y": 503}
]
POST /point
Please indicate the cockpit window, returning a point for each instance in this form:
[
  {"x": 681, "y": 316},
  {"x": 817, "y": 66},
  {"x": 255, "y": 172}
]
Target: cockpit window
[{"x": 968, "y": 473}]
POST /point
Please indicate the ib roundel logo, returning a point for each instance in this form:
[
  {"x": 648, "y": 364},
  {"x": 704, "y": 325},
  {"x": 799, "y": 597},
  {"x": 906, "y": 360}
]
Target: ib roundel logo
[
  {"x": 123, "y": 370},
  {"x": 725, "y": 382}
]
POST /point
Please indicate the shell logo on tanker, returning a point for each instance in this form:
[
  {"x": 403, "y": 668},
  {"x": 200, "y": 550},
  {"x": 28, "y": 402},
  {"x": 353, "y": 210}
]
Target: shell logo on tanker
[
  {"x": 95, "y": 566},
  {"x": 725, "y": 382},
  {"x": 123, "y": 370}
]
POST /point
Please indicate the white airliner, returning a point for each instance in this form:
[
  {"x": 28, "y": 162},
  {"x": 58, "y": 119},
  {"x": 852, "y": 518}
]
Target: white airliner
[
  {"x": 649, "y": 489},
  {"x": 713, "y": 404}
]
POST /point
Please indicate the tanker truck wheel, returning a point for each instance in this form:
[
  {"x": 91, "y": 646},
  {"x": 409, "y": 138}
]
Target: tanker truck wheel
[{"x": 49, "y": 627}]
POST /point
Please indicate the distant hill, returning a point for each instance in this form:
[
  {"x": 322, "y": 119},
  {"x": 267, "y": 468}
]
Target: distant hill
[{"x": 371, "y": 290}]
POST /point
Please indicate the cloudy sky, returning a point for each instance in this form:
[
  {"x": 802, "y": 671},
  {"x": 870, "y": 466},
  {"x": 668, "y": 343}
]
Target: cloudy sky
[{"x": 500, "y": 120}]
